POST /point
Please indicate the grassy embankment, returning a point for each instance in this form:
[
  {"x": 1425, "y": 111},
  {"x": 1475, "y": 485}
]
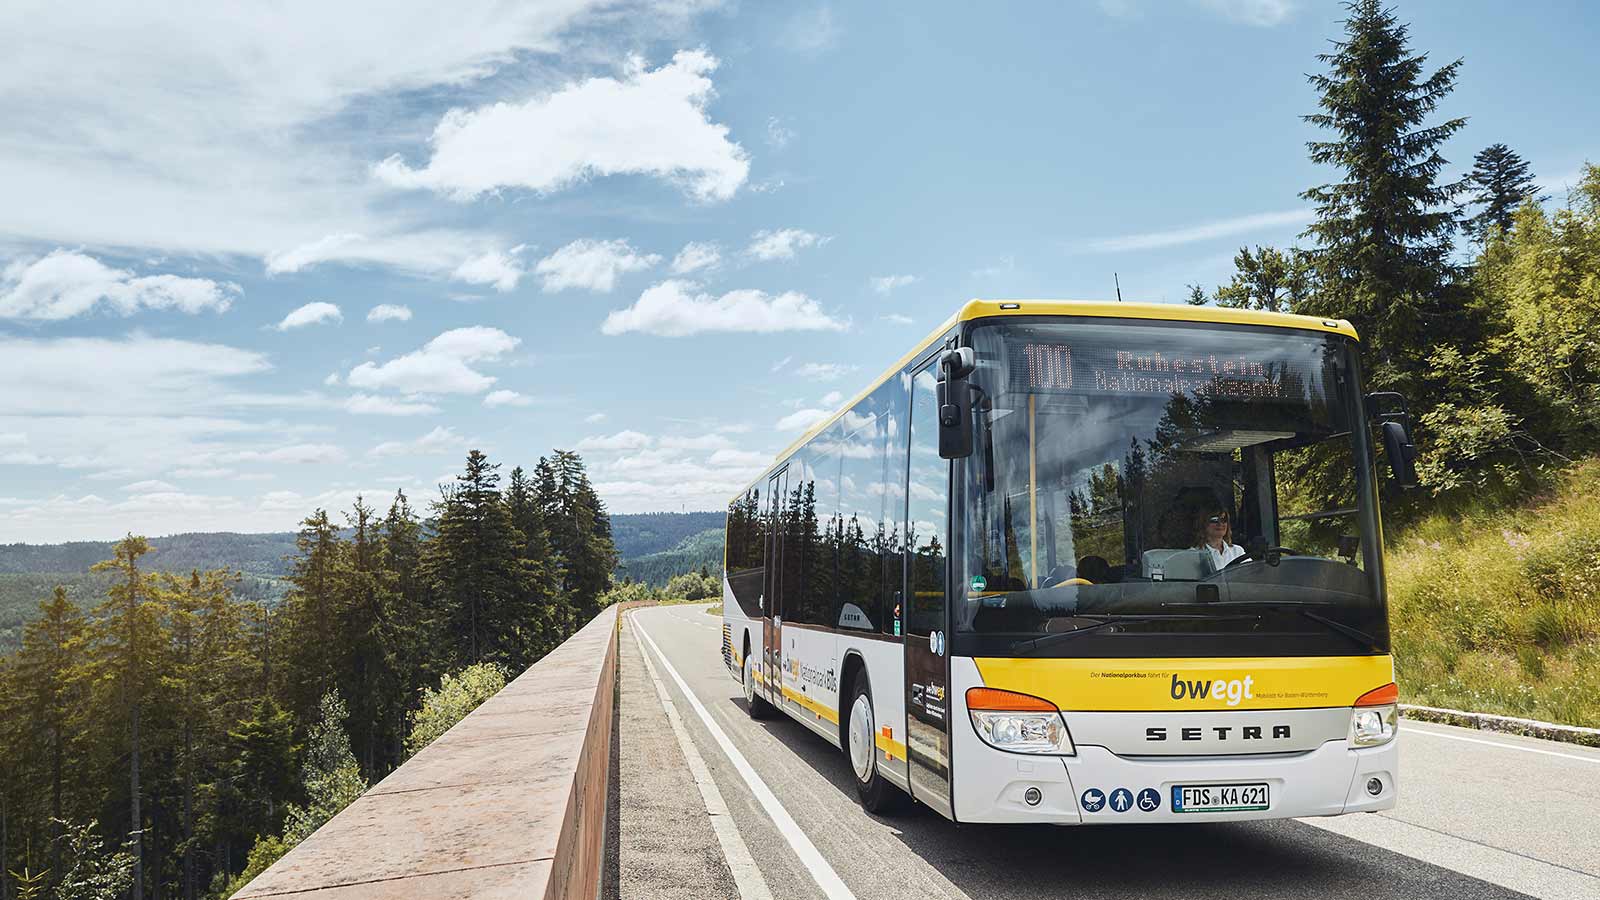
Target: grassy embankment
[{"x": 1498, "y": 610}]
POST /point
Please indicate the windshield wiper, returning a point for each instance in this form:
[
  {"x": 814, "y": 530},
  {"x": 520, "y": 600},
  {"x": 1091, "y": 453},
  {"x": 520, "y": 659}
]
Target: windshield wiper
[
  {"x": 1107, "y": 619},
  {"x": 1367, "y": 641}
]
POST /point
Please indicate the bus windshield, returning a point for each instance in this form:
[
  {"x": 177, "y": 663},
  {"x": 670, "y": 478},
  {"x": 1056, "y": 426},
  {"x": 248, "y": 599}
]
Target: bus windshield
[{"x": 1167, "y": 489}]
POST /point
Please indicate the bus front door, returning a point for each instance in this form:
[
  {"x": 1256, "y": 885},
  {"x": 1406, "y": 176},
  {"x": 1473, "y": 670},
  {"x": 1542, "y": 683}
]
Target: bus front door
[
  {"x": 927, "y": 667},
  {"x": 772, "y": 592}
]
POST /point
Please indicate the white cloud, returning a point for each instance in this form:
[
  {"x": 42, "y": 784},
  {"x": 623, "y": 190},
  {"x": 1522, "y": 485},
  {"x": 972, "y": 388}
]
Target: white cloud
[
  {"x": 648, "y": 122},
  {"x": 801, "y": 419},
  {"x": 695, "y": 256},
  {"x": 186, "y": 130},
  {"x": 498, "y": 268},
  {"x": 332, "y": 380},
  {"x": 440, "y": 440},
  {"x": 778, "y": 366},
  {"x": 505, "y": 398},
  {"x": 824, "y": 371},
  {"x": 622, "y": 440},
  {"x": 1204, "y": 231},
  {"x": 778, "y": 135},
  {"x": 742, "y": 458},
  {"x": 896, "y": 319},
  {"x": 676, "y": 309},
  {"x": 374, "y": 405},
  {"x": 389, "y": 312},
  {"x": 591, "y": 265},
  {"x": 883, "y": 284},
  {"x": 696, "y": 442},
  {"x": 148, "y": 487},
  {"x": 65, "y": 283},
  {"x": 811, "y": 30},
  {"x": 1265, "y": 13},
  {"x": 832, "y": 398},
  {"x": 296, "y": 454},
  {"x": 141, "y": 374},
  {"x": 313, "y": 313},
  {"x": 595, "y": 418},
  {"x": 442, "y": 366},
  {"x": 783, "y": 243}
]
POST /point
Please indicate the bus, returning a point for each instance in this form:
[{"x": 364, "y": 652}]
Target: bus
[{"x": 1086, "y": 563}]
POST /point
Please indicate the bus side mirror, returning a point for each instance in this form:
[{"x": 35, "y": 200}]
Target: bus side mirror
[
  {"x": 1402, "y": 454},
  {"x": 954, "y": 397}
]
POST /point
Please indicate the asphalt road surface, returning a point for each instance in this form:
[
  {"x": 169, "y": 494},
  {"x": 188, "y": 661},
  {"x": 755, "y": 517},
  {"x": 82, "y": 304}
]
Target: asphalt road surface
[{"x": 1480, "y": 814}]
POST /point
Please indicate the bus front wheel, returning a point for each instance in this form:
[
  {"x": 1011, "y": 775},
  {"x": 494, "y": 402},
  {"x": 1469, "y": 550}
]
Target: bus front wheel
[
  {"x": 754, "y": 704},
  {"x": 876, "y": 793}
]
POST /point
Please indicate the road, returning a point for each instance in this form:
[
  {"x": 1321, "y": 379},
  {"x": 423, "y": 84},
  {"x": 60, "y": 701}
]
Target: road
[{"x": 1480, "y": 815}]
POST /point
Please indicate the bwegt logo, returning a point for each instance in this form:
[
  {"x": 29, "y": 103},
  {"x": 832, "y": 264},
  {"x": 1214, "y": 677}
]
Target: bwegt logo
[{"x": 1232, "y": 692}]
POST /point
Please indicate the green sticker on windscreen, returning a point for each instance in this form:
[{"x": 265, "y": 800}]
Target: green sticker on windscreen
[{"x": 978, "y": 583}]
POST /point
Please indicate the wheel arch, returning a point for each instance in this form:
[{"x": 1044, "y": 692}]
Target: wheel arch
[{"x": 851, "y": 667}]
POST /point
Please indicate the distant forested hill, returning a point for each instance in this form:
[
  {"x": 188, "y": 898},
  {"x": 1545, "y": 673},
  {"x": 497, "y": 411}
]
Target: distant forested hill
[
  {"x": 257, "y": 554},
  {"x": 30, "y": 572},
  {"x": 693, "y": 552},
  {"x": 640, "y": 534}
]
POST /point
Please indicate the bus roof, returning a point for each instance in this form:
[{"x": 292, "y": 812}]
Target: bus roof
[{"x": 1170, "y": 312}]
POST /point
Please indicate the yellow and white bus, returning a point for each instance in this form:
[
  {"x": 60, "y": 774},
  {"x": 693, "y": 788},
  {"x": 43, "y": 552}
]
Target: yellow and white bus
[{"x": 1086, "y": 563}]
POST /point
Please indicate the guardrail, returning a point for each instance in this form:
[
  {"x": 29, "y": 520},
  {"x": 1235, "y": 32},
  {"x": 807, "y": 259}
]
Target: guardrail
[{"x": 511, "y": 802}]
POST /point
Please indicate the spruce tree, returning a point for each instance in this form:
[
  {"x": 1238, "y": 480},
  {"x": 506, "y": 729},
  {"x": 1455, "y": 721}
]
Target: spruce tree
[
  {"x": 49, "y": 699},
  {"x": 1268, "y": 279},
  {"x": 128, "y": 646},
  {"x": 1501, "y": 181},
  {"x": 1383, "y": 233},
  {"x": 475, "y": 565}
]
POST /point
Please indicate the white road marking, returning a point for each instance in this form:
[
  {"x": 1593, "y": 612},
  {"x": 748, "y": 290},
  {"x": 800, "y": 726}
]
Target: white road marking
[
  {"x": 1411, "y": 728},
  {"x": 826, "y": 878},
  {"x": 747, "y": 875},
  {"x": 1475, "y": 859}
]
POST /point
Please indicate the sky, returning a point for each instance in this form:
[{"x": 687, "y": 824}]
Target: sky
[{"x": 257, "y": 259}]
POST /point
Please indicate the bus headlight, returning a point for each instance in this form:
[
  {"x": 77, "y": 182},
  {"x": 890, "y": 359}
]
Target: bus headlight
[
  {"x": 1018, "y": 723},
  {"x": 1375, "y": 717}
]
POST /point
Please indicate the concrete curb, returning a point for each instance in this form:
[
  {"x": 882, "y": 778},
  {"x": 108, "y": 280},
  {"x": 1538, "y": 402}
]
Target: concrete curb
[{"x": 1550, "y": 731}]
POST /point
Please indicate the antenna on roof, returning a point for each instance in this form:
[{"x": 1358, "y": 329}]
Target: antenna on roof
[{"x": 1118, "y": 282}]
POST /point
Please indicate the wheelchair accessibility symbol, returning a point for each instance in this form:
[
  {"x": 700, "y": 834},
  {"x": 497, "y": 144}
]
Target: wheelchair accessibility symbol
[{"x": 1149, "y": 800}]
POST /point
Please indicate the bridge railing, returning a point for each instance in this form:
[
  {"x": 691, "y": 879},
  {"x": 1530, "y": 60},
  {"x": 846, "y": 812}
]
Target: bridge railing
[{"x": 511, "y": 802}]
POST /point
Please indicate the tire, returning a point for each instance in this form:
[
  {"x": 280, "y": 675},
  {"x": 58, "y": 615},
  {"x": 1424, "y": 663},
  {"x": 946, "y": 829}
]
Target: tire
[
  {"x": 754, "y": 704},
  {"x": 877, "y": 795}
]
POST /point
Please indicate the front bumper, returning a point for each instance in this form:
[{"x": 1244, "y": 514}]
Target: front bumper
[{"x": 992, "y": 785}]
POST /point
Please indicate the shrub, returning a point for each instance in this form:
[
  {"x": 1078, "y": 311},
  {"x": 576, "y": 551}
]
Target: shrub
[{"x": 458, "y": 694}]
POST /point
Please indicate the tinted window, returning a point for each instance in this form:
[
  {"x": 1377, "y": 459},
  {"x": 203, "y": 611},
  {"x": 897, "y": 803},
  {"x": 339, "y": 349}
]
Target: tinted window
[
  {"x": 892, "y": 401},
  {"x": 746, "y": 546},
  {"x": 811, "y": 527},
  {"x": 861, "y": 535},
  {"x": 927, "y": 487}
]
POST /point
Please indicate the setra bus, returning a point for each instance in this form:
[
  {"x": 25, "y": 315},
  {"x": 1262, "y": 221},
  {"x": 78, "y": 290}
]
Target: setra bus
[{"x": 1086, "y": 563}]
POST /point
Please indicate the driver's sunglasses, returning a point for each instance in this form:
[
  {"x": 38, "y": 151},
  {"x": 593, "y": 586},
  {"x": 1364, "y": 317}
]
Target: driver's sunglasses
[{"x": 1218, "y": 520}]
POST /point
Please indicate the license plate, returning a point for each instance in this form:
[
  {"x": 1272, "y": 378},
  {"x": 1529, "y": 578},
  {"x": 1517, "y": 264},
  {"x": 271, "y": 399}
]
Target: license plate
[{"x": 1219, "y": 797}]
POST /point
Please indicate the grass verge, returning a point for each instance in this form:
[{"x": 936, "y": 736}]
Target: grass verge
[{"x": 1498, "y": 611}]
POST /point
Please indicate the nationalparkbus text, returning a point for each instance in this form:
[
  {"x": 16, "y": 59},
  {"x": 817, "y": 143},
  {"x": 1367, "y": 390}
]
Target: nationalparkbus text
[{"x": 1086, "y": 563}]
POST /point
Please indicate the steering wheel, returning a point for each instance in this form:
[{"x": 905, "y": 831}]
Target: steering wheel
[{"x": 1270, "y": 551}]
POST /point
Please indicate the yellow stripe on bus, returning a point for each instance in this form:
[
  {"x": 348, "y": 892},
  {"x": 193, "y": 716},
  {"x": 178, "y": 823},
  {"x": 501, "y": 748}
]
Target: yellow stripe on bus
[
  {"x": 832, "y": 715},
  {"x": 1170, "y": 685},
  {"x": 892, "y": 749}
]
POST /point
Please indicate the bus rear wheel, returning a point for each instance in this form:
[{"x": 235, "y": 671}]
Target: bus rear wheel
[
  {"x": 754, "y": 704},
  {"x": 876, "y": 793}
]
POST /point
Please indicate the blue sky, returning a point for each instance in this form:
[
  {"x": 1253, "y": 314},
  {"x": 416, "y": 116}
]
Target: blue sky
[{"x": 261, "y": 260}]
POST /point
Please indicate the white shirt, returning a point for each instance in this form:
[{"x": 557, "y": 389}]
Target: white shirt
[{"x": 1220, "y": 558}]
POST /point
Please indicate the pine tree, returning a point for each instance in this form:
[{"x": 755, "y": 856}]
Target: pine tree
[
  {"x": 478, "y": 576},
  {"x": 314, "y": 617},
  {"x": 49, "y": 697},
  {"x": 1383, "y": 233},
  {"x": 407, "y": 633},
  {"x": 1501, "y": 182},
  {"x": 580, "y": 533},
  {"x": 1268, "y": 279},
  {"x": 129, "y": 644}
]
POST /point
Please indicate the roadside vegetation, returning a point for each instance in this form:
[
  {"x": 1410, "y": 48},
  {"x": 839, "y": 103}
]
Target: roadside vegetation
[{"x": 1497, "y": 609}]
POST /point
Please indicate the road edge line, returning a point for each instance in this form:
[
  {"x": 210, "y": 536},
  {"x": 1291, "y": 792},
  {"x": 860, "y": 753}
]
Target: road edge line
[
  {"x": 1498, "y": 724},
  {"x": 821, "y": 871},
  {"x": 747, "y": 875}
]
